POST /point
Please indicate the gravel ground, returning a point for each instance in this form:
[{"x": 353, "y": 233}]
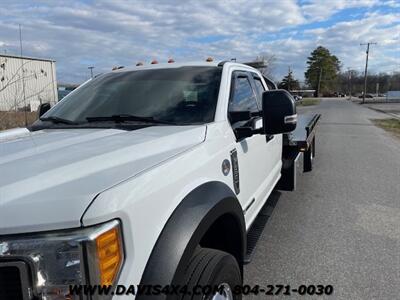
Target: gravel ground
[{"x": 342, "y": 225}]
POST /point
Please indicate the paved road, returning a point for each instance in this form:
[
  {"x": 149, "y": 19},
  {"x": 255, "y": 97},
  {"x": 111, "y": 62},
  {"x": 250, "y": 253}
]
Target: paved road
[
  {"x": 342, "y": 225},
  {"x": 392, "y": 109}
]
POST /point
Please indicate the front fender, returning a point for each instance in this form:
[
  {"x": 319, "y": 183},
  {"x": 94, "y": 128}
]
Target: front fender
[{"x": 185, "y": 228}]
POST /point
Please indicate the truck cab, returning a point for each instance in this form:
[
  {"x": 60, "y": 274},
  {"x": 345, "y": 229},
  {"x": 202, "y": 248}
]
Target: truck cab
[{"x": 148, "y": 176}]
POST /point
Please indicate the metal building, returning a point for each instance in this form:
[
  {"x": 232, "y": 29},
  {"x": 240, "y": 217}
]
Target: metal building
[{"x": 26, "y": 82}]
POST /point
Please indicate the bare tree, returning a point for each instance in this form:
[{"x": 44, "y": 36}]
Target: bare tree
[
  {"x": 15, "y": 105},
  {"x": 10, "y": 85},
  {"x": 265, "y": 63}
]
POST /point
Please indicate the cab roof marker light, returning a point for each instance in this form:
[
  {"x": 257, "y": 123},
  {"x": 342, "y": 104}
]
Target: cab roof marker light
[
  {"x": 117, "y": 68},
  {"x": 171, "y": 60},
  {"x": 209, "y": 59},
  {"x": 139, "y": 64},
  {"x": 154, "y": 62}
]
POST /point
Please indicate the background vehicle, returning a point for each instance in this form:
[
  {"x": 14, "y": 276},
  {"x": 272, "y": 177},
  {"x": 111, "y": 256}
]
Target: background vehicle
[
  {"x": 65, "y": 90},
  {"x": 297, "y": 98},
  {"x": 366, "y": 96},
  {"x": 152, "y": 175}
]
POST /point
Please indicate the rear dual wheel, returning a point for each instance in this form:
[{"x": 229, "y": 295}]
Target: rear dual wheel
[{"x": 309, "y": 157}]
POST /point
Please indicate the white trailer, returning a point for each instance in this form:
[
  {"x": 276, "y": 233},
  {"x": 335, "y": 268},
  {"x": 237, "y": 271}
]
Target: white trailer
[{"x": 26, "y": 82}]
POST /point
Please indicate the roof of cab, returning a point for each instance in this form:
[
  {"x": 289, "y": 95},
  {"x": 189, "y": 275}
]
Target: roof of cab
[{"x": 177, "y": 65}]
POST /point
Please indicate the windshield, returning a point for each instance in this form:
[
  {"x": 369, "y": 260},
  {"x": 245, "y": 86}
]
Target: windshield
[{"x": 182, "y": 96}]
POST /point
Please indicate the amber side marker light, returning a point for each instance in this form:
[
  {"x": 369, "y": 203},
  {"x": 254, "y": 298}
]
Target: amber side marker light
[{"x": 109, "y": 255}]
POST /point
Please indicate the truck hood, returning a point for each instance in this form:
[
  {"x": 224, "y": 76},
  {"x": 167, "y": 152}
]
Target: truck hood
[{"x": 49, "y": 177}]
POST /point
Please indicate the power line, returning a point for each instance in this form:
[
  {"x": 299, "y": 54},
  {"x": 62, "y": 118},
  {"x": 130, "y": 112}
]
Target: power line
[
  {"x": 366, "y": 67},
  {"x": 91, "y": 71},
  {"x": 349, "y": 82},
  {"x": 23, "y": 76}
]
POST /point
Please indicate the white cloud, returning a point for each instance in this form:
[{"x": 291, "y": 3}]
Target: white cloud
[
  {"x": 116, "y": 32},
  {"x": 344, "y": 40},
  {"x": 119, "y": 32},
  {"x": 392, "y": 3},
  {"x": 319, "y": 10}
]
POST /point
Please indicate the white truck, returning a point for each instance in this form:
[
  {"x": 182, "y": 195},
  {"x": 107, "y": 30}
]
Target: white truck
[{"x": 147, "y": 176}]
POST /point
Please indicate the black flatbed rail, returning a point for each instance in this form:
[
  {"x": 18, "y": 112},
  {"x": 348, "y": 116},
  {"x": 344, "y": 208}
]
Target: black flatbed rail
[
  {"x": 298, "y": 144},
  {"x": 304, "y": 134}
]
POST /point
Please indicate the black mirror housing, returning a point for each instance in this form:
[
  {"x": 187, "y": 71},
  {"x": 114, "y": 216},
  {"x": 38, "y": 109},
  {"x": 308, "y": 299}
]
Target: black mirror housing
[
  {"x": 244, "y": 132},
  {"x": 237, "y": 116},
  {"x": 43, "y": 108},
  {"x": 279, "y": 112}
]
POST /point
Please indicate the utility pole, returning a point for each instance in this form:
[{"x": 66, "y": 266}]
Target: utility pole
[
  {"x": 319, "y": 81},
  {"x": 91, "y": 71},
  {"x": 23, "y": 75},
  {"x": 350, "y": 73},
  {"x": 366, "y": 68}
]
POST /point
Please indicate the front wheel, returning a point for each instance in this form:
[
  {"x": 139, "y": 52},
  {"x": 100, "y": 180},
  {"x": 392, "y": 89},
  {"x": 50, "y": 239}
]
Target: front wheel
[{"x": 212, "y": 270}]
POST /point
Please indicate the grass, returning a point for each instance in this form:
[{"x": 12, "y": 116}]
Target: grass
[
  {"x": 12, "y": 119},
  {"x": 391, "y": 125},
  {"x": 309, "y": 101}
]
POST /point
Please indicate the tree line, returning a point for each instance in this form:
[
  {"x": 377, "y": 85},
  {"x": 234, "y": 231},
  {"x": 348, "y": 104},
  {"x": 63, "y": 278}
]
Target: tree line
[
  {"x": 324, "y": 75},
  {"x": 353, "y": 81}
]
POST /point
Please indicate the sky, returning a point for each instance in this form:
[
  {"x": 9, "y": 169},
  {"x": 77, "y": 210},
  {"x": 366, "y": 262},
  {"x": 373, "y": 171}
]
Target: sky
[{"x": 108, "y": 33}]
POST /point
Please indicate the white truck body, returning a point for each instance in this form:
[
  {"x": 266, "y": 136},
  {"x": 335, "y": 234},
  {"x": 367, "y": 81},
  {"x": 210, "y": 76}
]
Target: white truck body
[{"x": 55, "y": 179}]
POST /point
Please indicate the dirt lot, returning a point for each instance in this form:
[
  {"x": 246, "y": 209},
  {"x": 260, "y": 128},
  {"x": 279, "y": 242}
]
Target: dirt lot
[{"x": 15, "y": 119}]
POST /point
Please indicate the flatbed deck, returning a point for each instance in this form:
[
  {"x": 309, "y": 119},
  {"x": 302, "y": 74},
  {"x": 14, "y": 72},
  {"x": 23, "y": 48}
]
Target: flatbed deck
[
  {"x": 302, "y": 137},
  {"x": 298, "y": 146}
]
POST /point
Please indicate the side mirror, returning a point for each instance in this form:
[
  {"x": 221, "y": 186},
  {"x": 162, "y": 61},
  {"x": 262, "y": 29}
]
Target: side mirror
[
  {"x": 43, "y": 108},
  {"x": 237, "y": 116},
  {"x": 279, "y": 112},
  {"x": 244, "y": 132}
]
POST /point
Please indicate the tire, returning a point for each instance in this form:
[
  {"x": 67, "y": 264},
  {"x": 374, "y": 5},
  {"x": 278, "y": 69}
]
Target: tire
[
  {"x": 213, "y": 268},
  {"x": 313, "y": 148},
  {"x": 308, "y": 159}
]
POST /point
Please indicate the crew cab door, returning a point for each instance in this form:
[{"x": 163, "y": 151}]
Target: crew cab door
[
  {"x": 257, "y": 156},
  {"x": 274, "y": 142}
]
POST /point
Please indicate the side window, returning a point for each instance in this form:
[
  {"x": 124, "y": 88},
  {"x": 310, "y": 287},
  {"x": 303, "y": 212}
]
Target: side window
[
  {"x": 259, "y": 90},
  {"x": 270, "y": 84},
  {"x": 243, "y": 97}
]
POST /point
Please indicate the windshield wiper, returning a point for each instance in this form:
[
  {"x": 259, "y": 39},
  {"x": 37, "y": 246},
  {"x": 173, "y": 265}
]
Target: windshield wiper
[
  {"x": 124, "y": 118},
  {"x": 56, "y": 120}
]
